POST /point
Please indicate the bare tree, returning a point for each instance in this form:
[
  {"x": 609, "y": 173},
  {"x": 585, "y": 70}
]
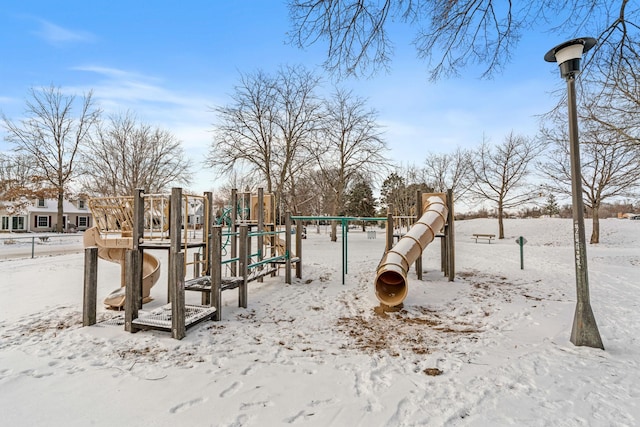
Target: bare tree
[
  {"x": 451, "y": 34},
  {"x": 17, "y": 176},
  {"x": 500, "y": 173},
  {"x": 267, "y": 128},
  {"x": 245, "y": 133},
  {"x": 315, "y": 190},
  {"x": 399, "y": 190},
  {"x": 449, "y": 171},
  {"x": 351, "y": 146},
  {"x": 610, "y": 165},
  {"x": 18, "y": 186},
  {"x": 125, "y": 154},
  {"x": 52, "y": 135},
  {"x": 611, "y": 99},
  {"x": 299, "y": 123}
]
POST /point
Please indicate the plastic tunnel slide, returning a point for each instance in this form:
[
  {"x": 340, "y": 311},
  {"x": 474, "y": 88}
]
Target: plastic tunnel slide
[
  {"x": 391, "y": 276},
  {"x": 113, "y": 250}
]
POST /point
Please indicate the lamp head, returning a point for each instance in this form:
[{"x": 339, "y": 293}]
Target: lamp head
[{"x": 568, "y": 55}]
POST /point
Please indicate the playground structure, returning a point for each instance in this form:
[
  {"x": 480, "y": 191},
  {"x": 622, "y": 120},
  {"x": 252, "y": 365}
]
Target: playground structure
[
  {"x": 114, "y": 250},
  {"x": 436, "y": 220},
  {"x": 128, "y": 226}
]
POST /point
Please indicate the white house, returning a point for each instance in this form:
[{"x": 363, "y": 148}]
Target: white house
[{"x": 40, "y": 215}]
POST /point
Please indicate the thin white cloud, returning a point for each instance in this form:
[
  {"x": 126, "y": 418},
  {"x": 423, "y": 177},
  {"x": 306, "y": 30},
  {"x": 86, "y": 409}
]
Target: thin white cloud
[
  {"x": 7, "y": 100},
  {"x": 126, "y": 87},
  {"x": 57, "y": 35},
  {"x": 110, "y": 72}
]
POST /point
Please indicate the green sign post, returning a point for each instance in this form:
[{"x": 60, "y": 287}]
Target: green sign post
[{"x": 521, "y": 241}]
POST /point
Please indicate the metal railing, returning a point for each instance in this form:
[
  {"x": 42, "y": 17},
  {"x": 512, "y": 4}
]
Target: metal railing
[{"x": 16, "y": 246}]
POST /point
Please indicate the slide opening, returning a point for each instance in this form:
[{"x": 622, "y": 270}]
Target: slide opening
[{"x": 391, "y": 288}]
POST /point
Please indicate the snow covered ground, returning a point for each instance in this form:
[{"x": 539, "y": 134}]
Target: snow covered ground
[{"x": 491, "y": 348}]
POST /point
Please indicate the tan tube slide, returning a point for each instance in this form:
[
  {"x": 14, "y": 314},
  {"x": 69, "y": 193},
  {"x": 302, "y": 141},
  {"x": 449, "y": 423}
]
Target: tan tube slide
[
  {"x": 114, "y": 249},
  {"x": 391, "y": 276}
]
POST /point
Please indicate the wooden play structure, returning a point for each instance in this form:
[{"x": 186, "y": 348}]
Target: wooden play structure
[{"x": 184, "y": 226}]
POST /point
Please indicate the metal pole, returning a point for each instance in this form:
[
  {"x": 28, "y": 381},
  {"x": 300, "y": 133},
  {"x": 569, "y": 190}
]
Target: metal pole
[
  {"x": 585, "y": 330},
  {"x": 344, "y": 249},
  {"x": 521, "y": 243}
]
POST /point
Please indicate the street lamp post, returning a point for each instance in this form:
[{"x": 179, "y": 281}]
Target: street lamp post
[{"x": 568, "y": 54}]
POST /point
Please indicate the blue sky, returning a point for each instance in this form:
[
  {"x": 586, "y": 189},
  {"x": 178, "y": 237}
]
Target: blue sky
[{"x": 170, "y": 62}]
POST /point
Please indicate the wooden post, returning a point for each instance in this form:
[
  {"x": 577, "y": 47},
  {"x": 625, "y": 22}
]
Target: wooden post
[
  {"x": 178, "y": 312},
  {"x": 287, "y": 245},
  {"x": 208, "y": 225},
  {"x": 451, "y": 245},
  {"x": 244, "y": 262},
  {"x": 138, "y": 238},
  {"x": 260, "y": 218},
  {"x": 197, "y": 260},
  {"x": 215, "y": 269},
  {"x": 176, "y": 266},
  {"x": 389, "y": 228},
  {"x": 246, "y": 217},
  {"x": 419, "y": 210},
  {"x": 90, "y": 297},
  {"x": 132, "y": 289},
  {"x": 443, "y": 251},
  {"x": 299, "y": 249},
  {"x": 233, "y": 250}
]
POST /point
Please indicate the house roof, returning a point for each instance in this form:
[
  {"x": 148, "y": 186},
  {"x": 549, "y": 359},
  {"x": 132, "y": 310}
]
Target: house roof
[{"x": 51, "y": 206}]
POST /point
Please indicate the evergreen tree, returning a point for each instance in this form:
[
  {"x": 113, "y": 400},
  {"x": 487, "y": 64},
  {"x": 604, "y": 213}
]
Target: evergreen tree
[
  {"x": 360, "y": 201},
  {"x": 551, "y": 208}
]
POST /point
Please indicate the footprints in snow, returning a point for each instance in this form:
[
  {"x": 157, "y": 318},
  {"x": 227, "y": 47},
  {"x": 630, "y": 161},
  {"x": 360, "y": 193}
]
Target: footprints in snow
[
  {"x": 231, "y": 390},
  {"x": 36, "y": 374},
  {"x": 187, "y": 405}
]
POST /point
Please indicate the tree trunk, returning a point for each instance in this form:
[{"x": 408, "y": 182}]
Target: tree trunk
[
  {"x": 334, "y": 224},
  {"x": 595, "y": 233},
  {"x": 60, "y": 215},
  {"x": 500, "y": 222}
]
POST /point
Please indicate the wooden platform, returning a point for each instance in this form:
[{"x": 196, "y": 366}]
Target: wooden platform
[
  {"x": 160, "y": 319},
  {"x": 203, "y": 284}
]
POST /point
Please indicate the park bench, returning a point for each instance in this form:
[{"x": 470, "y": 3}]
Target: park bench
[{"x": 482, "y": 236}]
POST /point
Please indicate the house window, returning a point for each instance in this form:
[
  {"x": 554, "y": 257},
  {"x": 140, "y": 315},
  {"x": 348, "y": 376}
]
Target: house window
[
  {"x": 83, "y": 221},
  {"x": 81, "y": 204},
  {"x": 43, "y": 221},
  {"x": 41, "y": 203},
  {"x": 18, "y": 223},
  {"x": 15, "y": 223}
]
